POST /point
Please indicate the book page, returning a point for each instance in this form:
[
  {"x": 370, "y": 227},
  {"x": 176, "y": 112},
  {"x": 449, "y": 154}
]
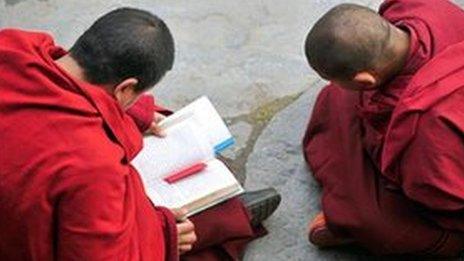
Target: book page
[
  {"x": 208, "y": 119},
  {"x": 193, "y": 135},
  {"x": 184, "y": 145},
  {"x": 214, "y": 178}
]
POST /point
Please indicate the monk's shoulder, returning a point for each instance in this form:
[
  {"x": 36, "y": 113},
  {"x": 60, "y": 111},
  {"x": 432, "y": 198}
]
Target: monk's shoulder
[
  {"x": 424, "y": 9},
  {"x": 92, "y": 149},
  {"x": 17, "y": 39},
  {"x": 89, "y": 168},
  {"x": 334, "y": 95},
  {"x": 447, "y": 113}
]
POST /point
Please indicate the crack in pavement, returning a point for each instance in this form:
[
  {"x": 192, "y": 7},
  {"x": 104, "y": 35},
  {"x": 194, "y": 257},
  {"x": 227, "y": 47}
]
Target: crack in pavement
[{"x": 258, "y": 119}]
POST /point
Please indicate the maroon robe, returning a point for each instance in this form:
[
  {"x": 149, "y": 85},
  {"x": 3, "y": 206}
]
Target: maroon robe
[
  {"x": 67, "y": 189},
  {"x": 223, "y": 231},
  {"x": 382, "y": 184},
  {"x": 424, "y": 147}
]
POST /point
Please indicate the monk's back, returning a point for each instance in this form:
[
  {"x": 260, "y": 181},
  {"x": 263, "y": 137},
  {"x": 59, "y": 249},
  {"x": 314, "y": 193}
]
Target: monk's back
[
  {"x": 57, "y": 155},
  {"x": 433, "y": 27}
]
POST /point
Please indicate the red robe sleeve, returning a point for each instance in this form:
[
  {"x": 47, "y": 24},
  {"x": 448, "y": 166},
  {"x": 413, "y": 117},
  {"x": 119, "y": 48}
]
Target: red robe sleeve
[
  {"x": 98, "y": 217},
  {"x": 142, "y": 111},
  {"x": 432, "y": 166}
]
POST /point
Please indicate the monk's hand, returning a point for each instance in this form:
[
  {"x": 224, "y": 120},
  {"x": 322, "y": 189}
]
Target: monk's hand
[
  {"x": 154, "y": 128},
  {"x": 186, "y": 236}
]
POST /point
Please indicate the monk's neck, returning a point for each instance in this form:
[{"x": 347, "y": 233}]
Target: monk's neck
[
  {"x": 72, "y": 67},
  {"x": 400, "y": 50}
]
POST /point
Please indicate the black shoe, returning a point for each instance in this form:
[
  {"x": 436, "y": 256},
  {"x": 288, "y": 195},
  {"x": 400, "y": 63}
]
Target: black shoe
[{"x": 261, "y": 204}]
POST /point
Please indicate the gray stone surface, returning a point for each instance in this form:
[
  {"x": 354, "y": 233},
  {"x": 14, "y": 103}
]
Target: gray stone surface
[
  {"x": 277, "y": 161},
  {"x": 247, "y": 57},
  {"x": 240, "y": 53}
]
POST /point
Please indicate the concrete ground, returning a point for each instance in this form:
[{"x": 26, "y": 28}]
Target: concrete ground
[{"x": 247, "y": 57}]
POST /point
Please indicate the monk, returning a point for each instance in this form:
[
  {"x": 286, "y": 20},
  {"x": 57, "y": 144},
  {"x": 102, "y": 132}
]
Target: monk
[
  {"x": 67, "y": 188},
  {"x": 385, "y": 136}
]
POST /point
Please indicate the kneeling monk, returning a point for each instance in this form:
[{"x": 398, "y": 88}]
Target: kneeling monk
[
  {"x": 385, "y": 137},
  {"x": 67, "y": 188}
]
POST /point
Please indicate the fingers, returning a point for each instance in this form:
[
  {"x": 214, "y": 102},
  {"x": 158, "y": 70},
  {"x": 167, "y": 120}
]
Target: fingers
[
  {"x": 179, "y": 213},
  {"x": 185, "y": 248},
  {"x": 187, "y": 239},
  {"x": 186, "y": 234},
  {"x": 157, "y": 117},
  {"x": 185, "y": 227},
  {"x": 154, "y": 126},
  {"x": 156, "y": 130}
]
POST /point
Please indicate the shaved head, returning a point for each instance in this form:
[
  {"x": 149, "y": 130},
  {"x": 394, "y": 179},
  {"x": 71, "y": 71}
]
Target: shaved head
[{"x": 348, "y": 39}]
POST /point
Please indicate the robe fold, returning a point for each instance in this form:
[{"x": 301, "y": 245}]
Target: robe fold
[
  {"x": 67, "y": 189},
  {"x": 223, "y": 231},
  {"x": 387, "y": 160},
  {"x": 424, "y": 147}
]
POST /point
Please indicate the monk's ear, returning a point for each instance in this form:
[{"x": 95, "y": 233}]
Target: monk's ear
[
  {"x": 366, "y": 80},
  {"x": 125, "y": 92}
]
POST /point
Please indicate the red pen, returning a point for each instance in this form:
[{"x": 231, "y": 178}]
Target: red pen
[{"x": 184, "y": 173}]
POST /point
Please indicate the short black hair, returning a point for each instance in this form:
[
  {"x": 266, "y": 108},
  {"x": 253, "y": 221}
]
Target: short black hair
[
  {"x": 125, "y": 43},
  {"x": 348, "y": 39}
]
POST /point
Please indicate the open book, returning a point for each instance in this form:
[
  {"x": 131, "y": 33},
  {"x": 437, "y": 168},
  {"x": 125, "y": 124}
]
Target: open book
[{"x": 194, "y": 135}]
